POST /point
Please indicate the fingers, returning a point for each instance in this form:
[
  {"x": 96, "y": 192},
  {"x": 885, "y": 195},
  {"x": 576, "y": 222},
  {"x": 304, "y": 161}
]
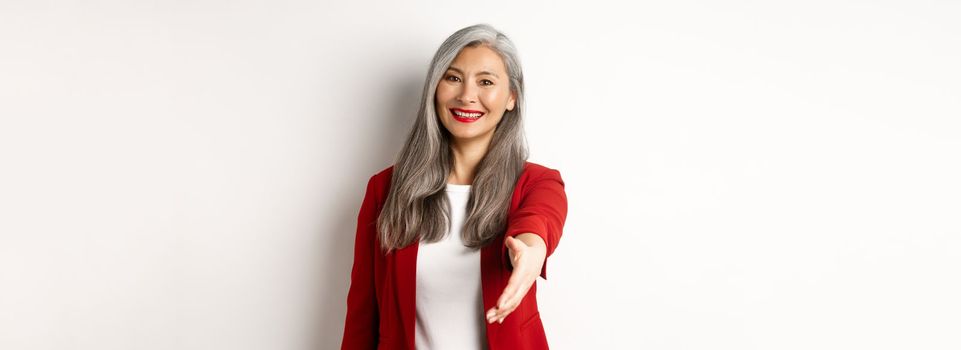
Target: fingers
[
  {"x": 513, "y": 288},
  {"x": 517, "y": 286},
  {"x": 504, "y": 308},
  {"x": 516, "y": 289}
]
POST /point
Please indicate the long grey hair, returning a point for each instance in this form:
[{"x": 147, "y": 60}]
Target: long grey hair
[{"x": 417, "y": 206}]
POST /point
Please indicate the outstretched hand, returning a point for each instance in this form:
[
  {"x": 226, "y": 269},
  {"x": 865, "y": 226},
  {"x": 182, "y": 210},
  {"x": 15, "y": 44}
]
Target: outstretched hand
[{"x": 527, "y": 253}]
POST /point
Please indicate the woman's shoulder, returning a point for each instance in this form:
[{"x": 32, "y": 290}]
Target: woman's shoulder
[
  {"x": 385, "y": 173},
  {"x": 535, "y": 170},
  {"x": 381, "y": 179},
  {"x": 539, "y": 176}
]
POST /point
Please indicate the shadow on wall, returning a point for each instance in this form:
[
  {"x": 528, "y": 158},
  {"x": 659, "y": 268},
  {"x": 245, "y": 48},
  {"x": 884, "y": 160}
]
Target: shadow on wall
[{"x": 384, "y": 138}]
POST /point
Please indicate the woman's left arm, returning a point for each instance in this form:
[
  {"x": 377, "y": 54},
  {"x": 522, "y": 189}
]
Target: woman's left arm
[{"x": 532, "y": 235}]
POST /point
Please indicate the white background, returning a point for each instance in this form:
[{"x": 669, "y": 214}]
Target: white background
[{"x": 741, "y": 174}]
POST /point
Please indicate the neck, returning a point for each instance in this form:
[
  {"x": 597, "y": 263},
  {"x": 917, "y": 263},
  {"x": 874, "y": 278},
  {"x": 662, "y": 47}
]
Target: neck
[{"x": 467, "y": 155}]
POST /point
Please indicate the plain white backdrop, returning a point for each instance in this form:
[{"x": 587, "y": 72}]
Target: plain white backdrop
[{"x": 740, "y": 174}]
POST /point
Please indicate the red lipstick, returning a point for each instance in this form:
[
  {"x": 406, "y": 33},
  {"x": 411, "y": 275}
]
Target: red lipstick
[{"x": 467, "y": 115}]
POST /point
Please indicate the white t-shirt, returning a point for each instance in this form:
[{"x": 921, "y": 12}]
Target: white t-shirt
[{"x": 450, "y": 308}]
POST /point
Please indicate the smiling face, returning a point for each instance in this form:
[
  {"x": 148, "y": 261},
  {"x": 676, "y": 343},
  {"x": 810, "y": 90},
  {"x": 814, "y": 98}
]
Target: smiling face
[{"x": 473, "y": 94}]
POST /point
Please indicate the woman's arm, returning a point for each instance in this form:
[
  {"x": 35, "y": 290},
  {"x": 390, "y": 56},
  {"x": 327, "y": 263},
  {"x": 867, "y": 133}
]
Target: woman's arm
[
  {"x": 534, "y": 231},
  {"x": 362, "y": 324},
  {"x": 542, "y": 212}
]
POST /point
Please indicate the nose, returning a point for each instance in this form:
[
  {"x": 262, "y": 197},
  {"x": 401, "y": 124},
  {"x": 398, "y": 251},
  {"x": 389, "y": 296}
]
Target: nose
[{"x": 468, "y": 94}]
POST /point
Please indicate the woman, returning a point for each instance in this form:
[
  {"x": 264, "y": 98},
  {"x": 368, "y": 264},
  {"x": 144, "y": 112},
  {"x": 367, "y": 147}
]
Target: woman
[{"x": 451, "y": 238}]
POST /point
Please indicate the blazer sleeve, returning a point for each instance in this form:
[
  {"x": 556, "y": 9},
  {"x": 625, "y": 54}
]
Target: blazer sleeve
[
  {"x": 542, "y": 211},
  {"x": 362, "y": 322}
]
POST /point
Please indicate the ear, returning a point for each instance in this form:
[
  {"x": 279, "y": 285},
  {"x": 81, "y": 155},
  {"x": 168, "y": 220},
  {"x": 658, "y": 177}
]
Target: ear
[{"x": 511, "y": 101}]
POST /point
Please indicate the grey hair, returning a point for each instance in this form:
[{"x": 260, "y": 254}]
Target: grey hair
[{"x": 417, "y": 206}]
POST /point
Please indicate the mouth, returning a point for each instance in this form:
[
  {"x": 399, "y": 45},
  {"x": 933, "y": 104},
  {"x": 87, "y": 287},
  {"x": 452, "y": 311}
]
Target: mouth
[{"x": 465, "y": 115}]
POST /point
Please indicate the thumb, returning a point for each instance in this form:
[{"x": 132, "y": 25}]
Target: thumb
[{"x": 514, "y": 244}]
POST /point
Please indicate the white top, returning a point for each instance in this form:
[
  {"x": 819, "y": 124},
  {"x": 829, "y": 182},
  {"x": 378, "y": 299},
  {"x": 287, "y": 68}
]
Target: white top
[{"x": 450, "y": 308}]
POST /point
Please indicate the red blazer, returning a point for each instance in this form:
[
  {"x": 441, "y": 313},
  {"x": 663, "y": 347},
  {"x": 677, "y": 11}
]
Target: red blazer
[{"x": 380, "y": 302}]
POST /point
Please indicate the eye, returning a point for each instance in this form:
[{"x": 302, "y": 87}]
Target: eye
[
  {"x": 487, "y": 82},
  {"x": 452, "y": 78}
]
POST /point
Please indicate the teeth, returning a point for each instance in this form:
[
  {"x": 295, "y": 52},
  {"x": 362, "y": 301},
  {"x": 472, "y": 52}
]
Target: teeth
[{"x": 467, "y": 115}]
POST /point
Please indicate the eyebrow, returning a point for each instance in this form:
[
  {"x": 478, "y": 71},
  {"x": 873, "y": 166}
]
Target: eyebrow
[{"x": 480, "y": 73}]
